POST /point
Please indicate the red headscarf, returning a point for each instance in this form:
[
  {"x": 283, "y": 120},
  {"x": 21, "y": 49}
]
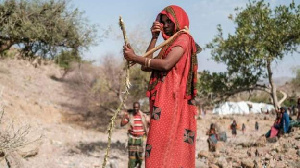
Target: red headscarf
[{"x": 178, "y": 16}]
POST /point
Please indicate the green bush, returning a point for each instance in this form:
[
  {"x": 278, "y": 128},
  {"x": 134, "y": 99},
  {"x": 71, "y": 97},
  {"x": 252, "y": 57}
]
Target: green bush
[
  {"x": 65, "y": 58},
  {"x": 11, "y": 53},
  {"x": 291, "y": 101},
  {"x": 260, "y": 97}
]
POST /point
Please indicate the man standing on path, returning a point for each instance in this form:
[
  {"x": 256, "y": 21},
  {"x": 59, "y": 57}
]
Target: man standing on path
[{"x": 138, "y": 129}]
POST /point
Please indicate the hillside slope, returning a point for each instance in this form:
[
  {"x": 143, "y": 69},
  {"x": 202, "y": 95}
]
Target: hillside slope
[
  {"x": 31, "y": 96},
  {"x": 37, "y": 97}
]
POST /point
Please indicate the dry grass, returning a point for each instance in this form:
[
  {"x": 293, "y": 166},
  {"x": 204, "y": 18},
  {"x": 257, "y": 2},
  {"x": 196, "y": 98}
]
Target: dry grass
[{"x": 12, "y": 137}]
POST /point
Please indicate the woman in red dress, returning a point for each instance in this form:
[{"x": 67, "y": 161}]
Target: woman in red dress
[{"x": 172, "y": 88}]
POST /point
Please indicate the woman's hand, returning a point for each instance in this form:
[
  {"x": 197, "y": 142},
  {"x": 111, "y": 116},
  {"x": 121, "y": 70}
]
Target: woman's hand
[
  {"x": 156, "y": 29},
  {"x": 129, "y": 53}
]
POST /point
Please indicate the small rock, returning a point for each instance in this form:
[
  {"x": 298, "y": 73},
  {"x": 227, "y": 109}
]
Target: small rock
[
  {"x": 280, "y": 165},
  {"x": 213, "y": 166},
  {"x": 247, "y": 163},
  {"x": 261, "y": 141},
  {"x": 236, "y": 164},
  {"x": 293, "y": 163},
  {"x": 219, "y": 146},
  {"x": 274, "y": 153},
  {"x": 287, "y": 145},
  {"x": 204, "y": 154},
  {"x": 268, "y": 157},
  {"x": 222, "y": 162},
  {"x": 257, "y": 163},
  {"x": 239, "y": 147},
  {"x": 272, "y": 163},
  {"x": 272, "y": 140},
  {"x": 280, "y": 149}
]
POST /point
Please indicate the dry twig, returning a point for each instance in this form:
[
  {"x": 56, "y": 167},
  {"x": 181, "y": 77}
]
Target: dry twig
[{"x": 12, "y": 138}]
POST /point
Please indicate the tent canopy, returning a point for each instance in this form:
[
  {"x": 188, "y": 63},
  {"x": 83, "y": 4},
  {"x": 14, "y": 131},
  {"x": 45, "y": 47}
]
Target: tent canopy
[{"x": 243, "y": 107}]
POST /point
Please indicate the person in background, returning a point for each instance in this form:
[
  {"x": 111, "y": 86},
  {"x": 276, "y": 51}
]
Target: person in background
[
  {"x": 233, "y": 128},
  {"x": 273, "y": 132},
  {"x": 212, "y": 137},
  {"x": 256, "y": 126},
  {"x": 138, "y": 129},
  {"x": 243, "y": 128},
  {"x": 298, "y": 104},
  {"x": 285, "y": 120}
]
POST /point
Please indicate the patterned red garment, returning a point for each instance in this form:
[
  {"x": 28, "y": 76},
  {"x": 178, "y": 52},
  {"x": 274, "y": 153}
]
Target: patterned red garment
[{"x": 172, "y": 134}]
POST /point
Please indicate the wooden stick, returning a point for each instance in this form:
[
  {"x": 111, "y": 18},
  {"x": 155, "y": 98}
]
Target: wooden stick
[
  {"x": 126, "y": 93},
  {"x": 122, "y": 25},
  {"x": 185, "y": 30}
]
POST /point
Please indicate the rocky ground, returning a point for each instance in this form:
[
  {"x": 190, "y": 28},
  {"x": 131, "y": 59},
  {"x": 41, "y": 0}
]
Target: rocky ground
[
  {"x": 252, "y": 149},
  {"x": 31, "y": 96}
]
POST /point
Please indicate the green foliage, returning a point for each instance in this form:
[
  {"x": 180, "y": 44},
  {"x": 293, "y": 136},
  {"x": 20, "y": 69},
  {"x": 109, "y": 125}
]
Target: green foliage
[
  {"x": 291, "y": 101},
  {"x": 9, "y": 53},
  {"x": 220, "y": 86},
  {"x": 43, "y": 27},
  {"x": 211, "y": 83},
  {"x": 65, "y": 58},
  {"x": 260, "y": 98},
  {"x": 262, "y": 36}
]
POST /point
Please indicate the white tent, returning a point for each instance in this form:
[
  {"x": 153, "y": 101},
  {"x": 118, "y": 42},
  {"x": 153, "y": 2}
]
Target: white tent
[{"x": 243, "y": 107}]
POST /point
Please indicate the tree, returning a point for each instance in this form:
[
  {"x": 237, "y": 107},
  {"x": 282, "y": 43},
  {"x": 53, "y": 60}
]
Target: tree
[
  {"x": 262, "y": 37},
  {"x": 43, "y": 27},
  {"x": 100, "y": 89},
  {"x": 113, "y": 74},
  {"x": 296, "y": 80},
  {"x": 65, "y": 60}
]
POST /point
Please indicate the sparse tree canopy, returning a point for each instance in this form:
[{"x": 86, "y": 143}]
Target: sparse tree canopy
[
  {"x": 263, "y": 36},
  {"x": 43, "y": 27}
]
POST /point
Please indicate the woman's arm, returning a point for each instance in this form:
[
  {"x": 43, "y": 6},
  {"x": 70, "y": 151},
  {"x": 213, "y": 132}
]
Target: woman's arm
[
  {"x": 151, "y": 45},
  {"x": 155, "y": 31},
  {"x": 125, "y": 119},
  {"x": 156, "y": 64}
]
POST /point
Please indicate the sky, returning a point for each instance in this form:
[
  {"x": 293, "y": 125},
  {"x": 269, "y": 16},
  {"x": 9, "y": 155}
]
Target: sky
[{"x": 204, "y": 16}]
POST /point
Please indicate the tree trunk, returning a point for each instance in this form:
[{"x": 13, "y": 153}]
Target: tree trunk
[{"x": 272, "y": 84}]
